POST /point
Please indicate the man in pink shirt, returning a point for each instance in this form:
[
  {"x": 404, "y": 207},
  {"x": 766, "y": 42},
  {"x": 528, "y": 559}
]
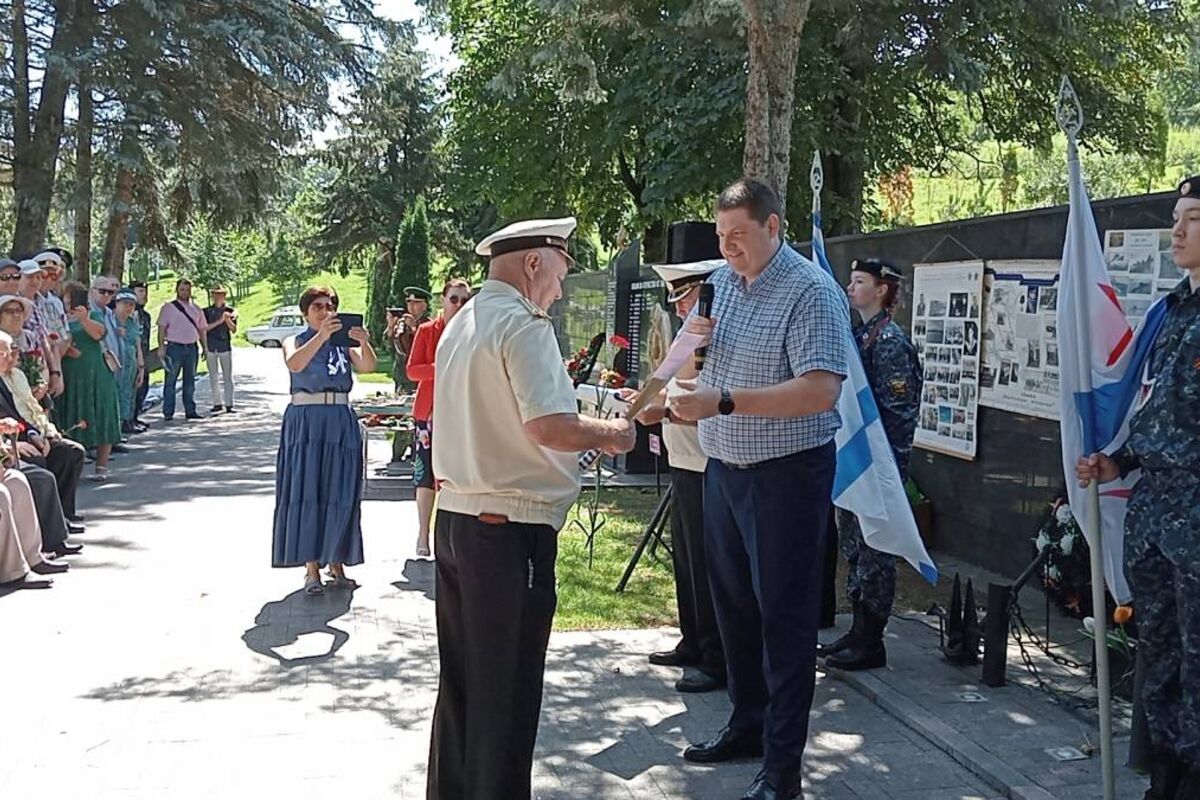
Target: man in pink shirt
[{"x": 181, "y": 328}]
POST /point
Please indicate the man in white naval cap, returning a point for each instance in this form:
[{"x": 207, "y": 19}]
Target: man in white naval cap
[
  {"x": 508, "y": 468},
  {"x": 699, "y": 644}
]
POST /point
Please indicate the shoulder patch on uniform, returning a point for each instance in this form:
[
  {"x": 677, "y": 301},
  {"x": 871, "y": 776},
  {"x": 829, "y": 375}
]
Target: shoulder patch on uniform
[
  {"x": 899, "y": 386},
  {"x": 534, "y": 309}
]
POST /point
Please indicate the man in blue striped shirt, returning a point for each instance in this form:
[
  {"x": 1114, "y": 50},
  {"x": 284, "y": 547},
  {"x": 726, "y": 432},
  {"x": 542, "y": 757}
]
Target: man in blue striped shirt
[{"x": 766, "y": 405}]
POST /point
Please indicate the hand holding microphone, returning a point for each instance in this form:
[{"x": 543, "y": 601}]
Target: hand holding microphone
[{"x": 704, "y": 311}]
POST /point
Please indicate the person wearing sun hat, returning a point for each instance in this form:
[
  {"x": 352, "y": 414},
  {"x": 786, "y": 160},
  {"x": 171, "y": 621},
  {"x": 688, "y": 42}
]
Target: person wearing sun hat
[
  {"x": 507, "y": 460},
  {"x": 1162, "y": 527},
  {"x": 54, "y": 313},
  {"x": 132, "y": 358},
  {"x": 221, "y": 321},
  {"x": 699, "y": 646}
]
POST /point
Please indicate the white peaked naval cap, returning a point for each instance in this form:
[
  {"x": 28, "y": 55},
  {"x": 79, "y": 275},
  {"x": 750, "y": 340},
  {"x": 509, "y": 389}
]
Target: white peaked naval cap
[
  {"x": 680, "y": 278},
  {"x": 527, "y": 235}
]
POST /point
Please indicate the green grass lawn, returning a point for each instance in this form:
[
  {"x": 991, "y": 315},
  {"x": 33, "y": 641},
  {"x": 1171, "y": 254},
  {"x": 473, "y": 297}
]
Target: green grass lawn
[{"x": 586, "y": 596}]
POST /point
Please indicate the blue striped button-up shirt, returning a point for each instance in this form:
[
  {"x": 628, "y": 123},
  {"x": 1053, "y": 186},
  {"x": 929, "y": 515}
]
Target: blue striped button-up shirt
[{"x": 791, "y": 320}]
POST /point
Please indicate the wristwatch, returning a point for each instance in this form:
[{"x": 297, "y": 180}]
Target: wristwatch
[{"x": 725, "y": 407}]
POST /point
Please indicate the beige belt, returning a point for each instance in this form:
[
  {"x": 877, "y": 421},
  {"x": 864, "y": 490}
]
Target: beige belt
[{"x": 320, "y": 399}]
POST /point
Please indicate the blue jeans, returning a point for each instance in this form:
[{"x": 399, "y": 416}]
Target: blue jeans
[
  {"x": 183, "y": 357},
  {"x": 764, "y": 532}
]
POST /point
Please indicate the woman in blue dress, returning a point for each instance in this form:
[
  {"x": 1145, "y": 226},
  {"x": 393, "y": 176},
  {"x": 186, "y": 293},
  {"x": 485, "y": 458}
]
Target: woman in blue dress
[{"x": 319, "y": 480}]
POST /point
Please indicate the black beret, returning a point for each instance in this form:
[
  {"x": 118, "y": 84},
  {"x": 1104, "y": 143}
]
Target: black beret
[
  {"x": 880, "y": 268},
  {"x": 1190, "y": 187}
]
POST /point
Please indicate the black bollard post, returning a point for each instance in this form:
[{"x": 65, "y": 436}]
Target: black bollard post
[
  {"x": 972, "y": 633},
  {"x": 995, "y": 638},
  {"x": 952, "y": 646}
]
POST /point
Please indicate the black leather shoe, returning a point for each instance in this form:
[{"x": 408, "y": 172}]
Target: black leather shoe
[
  {"x": 194, "y": 416},
  {"x": 76, "y": 518},
  {"x": 215, "y": 410},
  {"x": 65, "y": 549},
  {"x": 32, "y": 582},
  {"x": 50, "y": 567},
  {"x": 228, "y": 409},
  {"x": 120, "y": 448},
  {"x": 699, "y": 682},
  {"x": 671, "y": 658},
  {"x": 75, "y": 527},
  {"x": 729, "y": 745},
  {"x": 774, "y": 786}
]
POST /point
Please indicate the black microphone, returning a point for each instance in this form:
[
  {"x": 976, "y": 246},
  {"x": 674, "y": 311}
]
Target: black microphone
[{"x": 703, "y": 309}]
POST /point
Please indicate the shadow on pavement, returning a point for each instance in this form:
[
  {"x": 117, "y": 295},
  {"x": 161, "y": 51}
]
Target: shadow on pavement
[
  {"x": 283, "y": 623},
  {"x": 418, "y": 577}
]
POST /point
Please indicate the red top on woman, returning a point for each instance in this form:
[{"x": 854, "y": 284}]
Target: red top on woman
[{"x": 420, "y": 366}]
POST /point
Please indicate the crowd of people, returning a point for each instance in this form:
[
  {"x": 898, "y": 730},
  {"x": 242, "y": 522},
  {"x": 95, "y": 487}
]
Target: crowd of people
[{"x": 73, "y": 383}]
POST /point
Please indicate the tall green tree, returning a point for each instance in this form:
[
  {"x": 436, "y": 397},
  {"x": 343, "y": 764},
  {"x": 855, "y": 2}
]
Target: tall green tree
[
  {"x": 216, "y": 92},
  {"x": 880, "y": 85},
  {"x": 383, "y": 161},
  {"x": 412, "y": 252}
]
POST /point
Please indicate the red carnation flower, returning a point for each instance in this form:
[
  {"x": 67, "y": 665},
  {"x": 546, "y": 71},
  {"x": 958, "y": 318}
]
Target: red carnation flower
[{"x": 619, "y": 341}]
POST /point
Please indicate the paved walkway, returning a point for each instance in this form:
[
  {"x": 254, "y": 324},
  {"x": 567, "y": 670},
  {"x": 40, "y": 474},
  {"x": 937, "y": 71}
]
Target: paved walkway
[{"x": 173, "y": 662}]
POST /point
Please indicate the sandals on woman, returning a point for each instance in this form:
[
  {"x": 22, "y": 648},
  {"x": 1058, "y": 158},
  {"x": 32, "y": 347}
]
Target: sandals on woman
[
  {"x": 99, "y": 476},
  {"x": 312, "y": 586},
  {"x": 341, "y": 580}
]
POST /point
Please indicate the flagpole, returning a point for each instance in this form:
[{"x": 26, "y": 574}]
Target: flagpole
[{"x": 1069, "y": 115}]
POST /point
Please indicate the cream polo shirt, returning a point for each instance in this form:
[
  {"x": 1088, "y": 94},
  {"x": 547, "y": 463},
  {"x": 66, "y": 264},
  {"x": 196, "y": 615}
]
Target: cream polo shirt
[{"x": 497, "y": 367}]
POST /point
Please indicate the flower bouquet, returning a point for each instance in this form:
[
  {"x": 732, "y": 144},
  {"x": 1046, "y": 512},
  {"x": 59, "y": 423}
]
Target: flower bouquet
[
  {"x": 31, "y": 364},
  {"x": 10, "y": 432},
  {"x": 1066, "y": 572}
]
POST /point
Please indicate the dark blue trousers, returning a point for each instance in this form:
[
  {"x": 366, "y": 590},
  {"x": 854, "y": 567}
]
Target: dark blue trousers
[{"x": 765, "y": 529}]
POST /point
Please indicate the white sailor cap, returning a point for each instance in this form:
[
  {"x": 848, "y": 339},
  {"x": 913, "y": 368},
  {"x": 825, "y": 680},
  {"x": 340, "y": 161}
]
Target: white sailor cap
[
  {"x": 527, "y": 235},
  {"x": 680, "y": 278},
  {"x": 30, "y": 267}
]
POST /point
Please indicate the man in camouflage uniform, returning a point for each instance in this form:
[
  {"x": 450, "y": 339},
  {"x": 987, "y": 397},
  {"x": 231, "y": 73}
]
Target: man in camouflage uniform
[
  {"x": 892, "y": 368},
  {"x": 1162, "y": 527}
]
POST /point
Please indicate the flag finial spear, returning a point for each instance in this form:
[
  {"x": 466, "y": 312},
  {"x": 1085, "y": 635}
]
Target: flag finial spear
[
  {"x": 816, "y": 176},
  {"x": 1068, "y": 112}
]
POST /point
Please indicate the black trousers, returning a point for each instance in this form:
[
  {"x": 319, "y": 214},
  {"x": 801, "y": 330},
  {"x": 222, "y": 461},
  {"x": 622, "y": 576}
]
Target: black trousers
[
  {"x": 44, "y": 489},
  {"x": 700, "y": 642},
  {"x": 765, "y": 527},
  {"x": 495, "y": 605},
  {"x": 66, "y": 462}
]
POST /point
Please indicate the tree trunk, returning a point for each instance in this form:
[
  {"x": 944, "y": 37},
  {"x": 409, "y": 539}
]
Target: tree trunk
[
  {"x": 36, "y": 145},
  {"x": 83, "y": 181},
  {"x": 118, "y": 212},
  {"x": 773, "y": 29}
]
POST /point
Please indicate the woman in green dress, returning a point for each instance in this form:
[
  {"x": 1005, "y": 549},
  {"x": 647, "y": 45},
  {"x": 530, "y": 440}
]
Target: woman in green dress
[
  {"x": 129, "y": 376},
  {"x": 89, "y": 403}
]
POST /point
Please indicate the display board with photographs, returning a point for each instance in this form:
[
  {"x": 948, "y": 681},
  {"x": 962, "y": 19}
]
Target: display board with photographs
[
  {"x": 1019, "y": 369},
  {"x": 946, "y": 332},
  {"x": 1141, "y": 267}
]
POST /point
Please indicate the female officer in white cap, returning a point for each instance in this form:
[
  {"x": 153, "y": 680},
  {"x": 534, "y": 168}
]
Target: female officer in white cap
[{"x": 507, "y": 459}]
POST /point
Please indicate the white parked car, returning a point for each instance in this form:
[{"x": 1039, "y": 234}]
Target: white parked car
[{"x": 284, "y": 322}]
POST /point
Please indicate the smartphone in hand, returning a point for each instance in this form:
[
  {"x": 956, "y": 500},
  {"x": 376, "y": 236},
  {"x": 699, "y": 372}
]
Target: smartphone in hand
[{"x": 342, "y": 338}]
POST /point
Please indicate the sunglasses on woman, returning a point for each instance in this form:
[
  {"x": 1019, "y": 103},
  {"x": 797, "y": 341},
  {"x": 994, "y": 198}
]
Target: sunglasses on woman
[{"x": 457, "y": 299}]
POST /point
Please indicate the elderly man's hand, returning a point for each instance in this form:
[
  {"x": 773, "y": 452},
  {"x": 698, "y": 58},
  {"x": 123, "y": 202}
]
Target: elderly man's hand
[
  {"x": 625, "y": 439},
  {"x": 699, "y": 402},
  {"x": 28, "y": 450}
]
